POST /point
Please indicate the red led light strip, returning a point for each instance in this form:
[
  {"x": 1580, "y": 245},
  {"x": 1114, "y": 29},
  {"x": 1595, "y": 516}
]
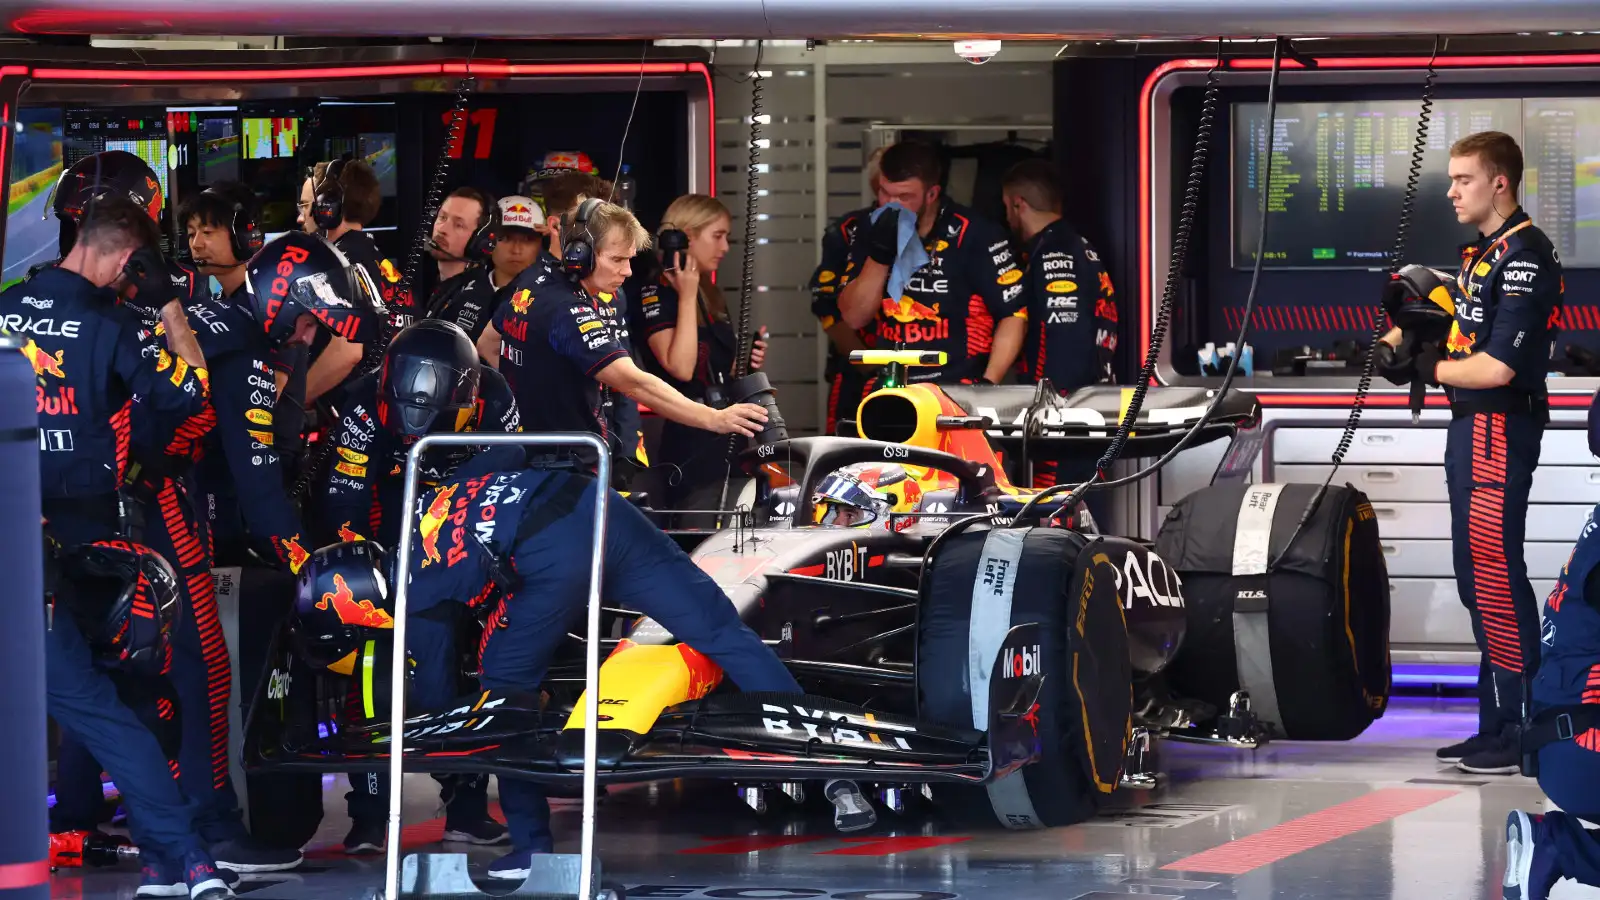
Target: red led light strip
[{"x": 1146, "y": 99}]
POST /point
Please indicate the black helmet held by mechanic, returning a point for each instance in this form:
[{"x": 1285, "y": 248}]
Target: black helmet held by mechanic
[
  {"x": 123, "y": 597},
  {"x": 429, "y": 381},
  {"x": 109, "y": 173},
  {"x": 342, "y": 602},
  {"x": 299, "y": 280}
]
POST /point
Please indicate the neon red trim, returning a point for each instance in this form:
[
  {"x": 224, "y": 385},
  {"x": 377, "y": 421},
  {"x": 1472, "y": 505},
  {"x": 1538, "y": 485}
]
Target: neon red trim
[
  {"x": 1434, "y": 400},
  {"x": 324, "y": 73},
  {"x": 24, "y": 875},
  {"x": 1146, "y": 98}
]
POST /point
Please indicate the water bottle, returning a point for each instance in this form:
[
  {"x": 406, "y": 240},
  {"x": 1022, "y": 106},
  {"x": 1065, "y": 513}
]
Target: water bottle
[{"x": 627, "y": 188}]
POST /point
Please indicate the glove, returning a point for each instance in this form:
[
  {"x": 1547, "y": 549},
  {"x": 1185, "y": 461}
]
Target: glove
[
  {"x": 883, "y": 238},
  {"x": 148, "y": 284},
  {"x": 1396, "y": 365},
  {"x": 1427, "y": 363}
]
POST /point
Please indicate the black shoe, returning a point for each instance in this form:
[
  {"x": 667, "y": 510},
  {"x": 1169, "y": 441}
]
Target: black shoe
[
  {"x": 485, "y": 831},
  {"x": 366, "y": 838},
  {"x": 1457, "y": 752},
  {"x": 247, "y": 854},
  {"x": 1502, "y": 757}
]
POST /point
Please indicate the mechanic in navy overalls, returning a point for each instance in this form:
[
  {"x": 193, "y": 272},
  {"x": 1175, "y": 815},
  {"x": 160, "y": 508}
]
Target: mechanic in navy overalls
[
  {"x": 1493, "y": 367},
  {"x": 528, "y": 531},
  {"x": 1562, "y": 738}
]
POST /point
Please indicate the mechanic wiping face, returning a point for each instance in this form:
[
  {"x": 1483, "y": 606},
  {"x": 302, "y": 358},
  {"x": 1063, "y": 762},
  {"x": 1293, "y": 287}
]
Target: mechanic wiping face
[{"x": 914, "y": 194}]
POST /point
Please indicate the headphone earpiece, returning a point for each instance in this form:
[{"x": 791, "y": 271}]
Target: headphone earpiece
[
  {"x": 577, "y": 243},
  {"x": 244, "y": 232},
  {"x": 327, "y": 204},
  {"x": 480, "y": 248}
]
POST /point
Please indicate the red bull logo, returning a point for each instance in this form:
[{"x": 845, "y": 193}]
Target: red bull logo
[
  {"x": 352, "y": 612},
  {"x": 43, "y": 362},
  {"x": 908, "y": 310},
  {"x": 348, "y": 536},
  {"x": 1458, "y": 342},
  {"x": 389, "y": 272},
  {"x": 432, "y": 521},
  {"x": 520, "y": 301},
  {"x": 294, "y": 554}
]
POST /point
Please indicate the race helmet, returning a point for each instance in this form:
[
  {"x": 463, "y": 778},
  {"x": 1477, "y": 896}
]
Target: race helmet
[
  {"x": 844, "y": 500},
  {"x": 109, "y": 173},
  {"x": 429, "y": 380},
  {"x": 341, "y": 603},
  {"x": 124, "y": 598},
  {"x": 299, "y": 273}
]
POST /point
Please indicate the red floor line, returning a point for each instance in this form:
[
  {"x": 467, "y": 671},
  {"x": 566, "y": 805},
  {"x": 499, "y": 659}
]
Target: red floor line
[
  {"x": 749, "y": 844},
  {"x": 1307, "y": 832},
  {"x": 885, "y": 846}
]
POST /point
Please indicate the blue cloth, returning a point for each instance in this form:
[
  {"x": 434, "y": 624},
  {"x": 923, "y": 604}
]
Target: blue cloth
[{"x": 912, "y": 255}]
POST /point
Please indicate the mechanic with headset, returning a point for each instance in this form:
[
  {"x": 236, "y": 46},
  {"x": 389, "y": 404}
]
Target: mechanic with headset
[
  {"x": 1560, "y": 741},
  {"x": 691, "y": 342},
  {"x": 520, "y": 242},
  {"x": 464, "y": 236},
  {"x": 337, "y": 201},
  {"x": 1492, "y": 366},
  {"x": 526, "y": 534},
  {"x": 431, "y": 382},
  {"x": 569, "y": 347},
  {"x": 95, "y": 644},
  {"x": 964, "y": 298},
  {"x": 847, "y": 384}
]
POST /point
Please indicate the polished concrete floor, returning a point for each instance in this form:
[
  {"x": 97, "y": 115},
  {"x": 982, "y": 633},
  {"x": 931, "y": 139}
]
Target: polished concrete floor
[{"x": 1374, "y": 818}]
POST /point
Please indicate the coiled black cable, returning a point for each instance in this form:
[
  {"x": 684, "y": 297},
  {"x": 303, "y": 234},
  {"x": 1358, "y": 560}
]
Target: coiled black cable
[
  {"x": 747, "y": 264},
  {"x": 1397, "y": 259},
  {"x": 372, "y": 356}
]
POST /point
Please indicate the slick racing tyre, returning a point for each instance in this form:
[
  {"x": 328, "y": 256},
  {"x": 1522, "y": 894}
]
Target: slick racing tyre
[{"x": 979, "y": 585}]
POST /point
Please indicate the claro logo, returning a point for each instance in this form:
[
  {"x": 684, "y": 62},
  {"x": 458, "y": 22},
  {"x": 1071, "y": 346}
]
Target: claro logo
[{"x": 291, "y": 257}]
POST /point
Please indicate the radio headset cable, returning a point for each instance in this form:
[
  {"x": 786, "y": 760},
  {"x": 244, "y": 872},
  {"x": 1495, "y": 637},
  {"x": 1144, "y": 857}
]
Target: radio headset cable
[
  {"x": 372, "y": 358},
  {"x": 747, "y": 264}
]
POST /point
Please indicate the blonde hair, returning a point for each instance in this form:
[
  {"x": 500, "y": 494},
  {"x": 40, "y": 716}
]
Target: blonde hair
[
  {"x": 692, "y": 214},
  {"x": 604, "y": 219}
]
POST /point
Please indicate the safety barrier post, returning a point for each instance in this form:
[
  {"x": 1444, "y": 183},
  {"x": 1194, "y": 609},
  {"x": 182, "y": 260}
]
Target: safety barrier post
[{"x": 591, "y": 710}]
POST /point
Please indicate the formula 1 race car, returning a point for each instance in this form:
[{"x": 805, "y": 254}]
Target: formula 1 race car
[{"x": 912, "y": 675}]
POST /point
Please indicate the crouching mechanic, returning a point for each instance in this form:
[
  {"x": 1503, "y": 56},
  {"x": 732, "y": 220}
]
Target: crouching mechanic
[
  {"x": 1562, "y": 737},
  {"x": 431, "y": 382},
  {"x": 537, "y": 525},
  {"x": 1492, "y": 366}
]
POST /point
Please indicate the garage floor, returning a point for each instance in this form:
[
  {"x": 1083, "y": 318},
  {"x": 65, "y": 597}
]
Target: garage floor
[{"x": 1375, "y": 818}]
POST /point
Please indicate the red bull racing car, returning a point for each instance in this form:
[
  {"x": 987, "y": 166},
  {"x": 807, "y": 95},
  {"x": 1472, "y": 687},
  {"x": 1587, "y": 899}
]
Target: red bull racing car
[{"x": 840, "y": 568}]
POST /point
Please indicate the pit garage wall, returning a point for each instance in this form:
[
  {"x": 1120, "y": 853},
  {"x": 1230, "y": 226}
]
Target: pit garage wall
[{"x": 823, "y": 105}]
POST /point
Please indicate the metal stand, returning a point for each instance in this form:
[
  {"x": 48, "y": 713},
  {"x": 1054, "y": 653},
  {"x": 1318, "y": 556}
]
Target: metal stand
[
  {"x": 445, "y": 875},
  {"x": 1238, "y": 727}
]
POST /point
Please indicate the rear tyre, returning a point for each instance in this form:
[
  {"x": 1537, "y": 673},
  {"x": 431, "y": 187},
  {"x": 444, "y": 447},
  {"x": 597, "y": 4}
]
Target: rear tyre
[{"x": 1064, "y": 582}]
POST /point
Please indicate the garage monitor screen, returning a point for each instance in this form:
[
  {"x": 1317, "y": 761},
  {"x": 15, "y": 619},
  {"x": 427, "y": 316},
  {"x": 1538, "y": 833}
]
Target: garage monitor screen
[{"x": 1339, "y": 174}]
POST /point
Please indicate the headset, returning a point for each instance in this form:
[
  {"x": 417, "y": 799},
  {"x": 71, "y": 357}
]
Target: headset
[
  {"x": 480, "y": 247},
  {"x": 577, "y": 242},
  {"x": 244, "y": 232},
  {"x": 327, "y": 204}
]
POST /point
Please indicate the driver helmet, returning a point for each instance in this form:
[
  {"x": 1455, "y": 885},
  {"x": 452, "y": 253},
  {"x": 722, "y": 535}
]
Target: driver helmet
[
  {"x": 124, "y": 598},
  {"x": 341, "y": 603},
  {"x": 429, "y": 381},
  {"x": 843, "y": 499},
  {"x": 298, "y": 273},
  {"x": 109, "y": 173}
]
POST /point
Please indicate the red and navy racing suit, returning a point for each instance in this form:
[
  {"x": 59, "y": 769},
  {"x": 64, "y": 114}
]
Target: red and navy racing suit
[
  {"x": 847, "y": 384},
  {"x": 1569, "y": 676},
  {"x": 1068, "y": 342},
  {"x": 361, "y": 498},
  {"x": 1513, "y": 294},
  {"x": 90, "y": 361},
  {"x": 541, "y": 523},
  {"x": 970, "y": 283},
  {"x": 466, "y": 299}
]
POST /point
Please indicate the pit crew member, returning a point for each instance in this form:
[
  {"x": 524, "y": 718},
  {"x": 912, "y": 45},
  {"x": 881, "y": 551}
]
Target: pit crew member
[
  {"x": 463, "y": 240},
  {"x": 966, "y": 301},
  {"x": 518, "y": 243},
  {"x": 1493, "y": 367},
  {"x": 847, "y": 384},
  {"x": 495, "y": 514}
]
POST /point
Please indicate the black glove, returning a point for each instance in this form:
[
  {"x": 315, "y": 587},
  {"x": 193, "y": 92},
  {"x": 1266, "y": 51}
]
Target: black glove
[
  {"x": 149, "y": 284},
  {"x": 883, "y": 237},
  {"x": 1427, "y": 362},
  {"x": 1396, "y": 365}
]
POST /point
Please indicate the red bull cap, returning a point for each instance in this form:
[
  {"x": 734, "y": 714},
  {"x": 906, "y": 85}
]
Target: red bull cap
[
  {"x": 520, "y": 212},
  {"x": 558, "y": 162}
]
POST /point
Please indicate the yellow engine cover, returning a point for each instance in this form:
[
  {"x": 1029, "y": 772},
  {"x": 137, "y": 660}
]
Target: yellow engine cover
[{"x": 638, "y": 681}]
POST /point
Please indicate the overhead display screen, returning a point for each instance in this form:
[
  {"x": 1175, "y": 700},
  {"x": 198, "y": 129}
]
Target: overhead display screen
[{"x": 1339, "y": 173}]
